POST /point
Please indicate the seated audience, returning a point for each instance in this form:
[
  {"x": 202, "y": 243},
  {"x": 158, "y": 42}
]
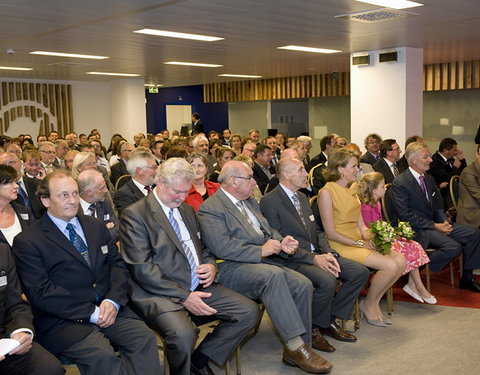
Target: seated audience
[
  {"x": 79, "y": 293},
  {"x": 61, "y": 149},
  {"x": 254, "y": 134},
  {"x": 224, "y": 155},
  {"x": 372, "y": 145},
  {"x": 448, "y": 161},
  {"x": 16, "y": 322},
  {"x": 49, "y": 160},
  {"x": 271, "y": 142},
  {"x": 343, "y": 223},
  {"x": 280, "y": 137},
  {"x": 388, "y": 164},
  {"x": 371, "y": 189},
  {"x": 87, "y": 160},
  {"x": 114, "y": 155},
  {"x": 174, "y": 277},
  {"x": 69, "y": 158},
  {"x": 468, "y": 211},
  {"x": 201, "y": 189},
  {"x": 142, "y": 167},
  {"x": 234, "y": 230},
  {"x": 417, "y": 200},
  {"x": 288, "y": 211},
  {"x": 402, "y": 163}
]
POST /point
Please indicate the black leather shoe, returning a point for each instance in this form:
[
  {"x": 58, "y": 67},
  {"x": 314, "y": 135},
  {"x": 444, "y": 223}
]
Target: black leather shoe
[
  {"x": 471, "y": 285},
  {"x": 320, "y": 343},
  {"x": 337, "y": 333},
  {"x": 201, "y": 371}
]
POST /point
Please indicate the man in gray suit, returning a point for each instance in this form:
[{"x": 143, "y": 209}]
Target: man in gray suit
[
  {"x": 288, "y": 211},
  {"x": 235, "y": 231},
  {"x": 174, "y": 276}
]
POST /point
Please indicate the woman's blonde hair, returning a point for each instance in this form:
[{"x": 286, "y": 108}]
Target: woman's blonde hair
[
  {"x": 367, "y": 185},
  {"x": 338, "y": 158},
  {"x": 80, "y": 158}
]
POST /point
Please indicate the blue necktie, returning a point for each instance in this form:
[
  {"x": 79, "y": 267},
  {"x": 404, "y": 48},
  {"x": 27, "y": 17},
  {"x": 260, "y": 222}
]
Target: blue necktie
[
  {"x": 79, "y": 244},
  {"x": 23, "y": 195},
  {"x": 188, "y": 251}
]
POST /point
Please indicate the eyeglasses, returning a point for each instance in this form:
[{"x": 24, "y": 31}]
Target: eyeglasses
[
  {"x": 244, "y": 178},
  {"x": 48, "y": 152}
]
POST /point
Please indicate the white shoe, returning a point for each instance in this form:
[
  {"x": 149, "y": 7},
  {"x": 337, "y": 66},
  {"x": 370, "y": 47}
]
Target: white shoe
[
  {"x": 412, "y": 294},
  {"x": 430, "y": 300}
]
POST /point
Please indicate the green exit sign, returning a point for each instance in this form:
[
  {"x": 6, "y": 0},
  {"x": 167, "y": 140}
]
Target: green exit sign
[{"x": 153, "y": 90}]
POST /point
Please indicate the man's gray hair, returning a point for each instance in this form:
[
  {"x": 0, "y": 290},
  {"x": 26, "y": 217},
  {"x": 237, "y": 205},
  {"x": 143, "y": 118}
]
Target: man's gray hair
[
  {"x": 197, "y": 140},
  {"x": 138, "y": 159},
  {"x": 86, "y": 180},
  {"x": 177, "y": 168},
  {"x": 124, "y": 146},
  {"x": 413, "y": 149},
  {"x": 305, "y": 139}
]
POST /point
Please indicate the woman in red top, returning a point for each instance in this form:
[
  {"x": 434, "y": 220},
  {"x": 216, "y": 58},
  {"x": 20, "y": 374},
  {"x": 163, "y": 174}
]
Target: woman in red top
[{"x": 201, "y": 188}]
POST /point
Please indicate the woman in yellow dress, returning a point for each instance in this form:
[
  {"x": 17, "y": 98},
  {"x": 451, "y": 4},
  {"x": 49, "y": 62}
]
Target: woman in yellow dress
[{"x": 348, "y": 235}]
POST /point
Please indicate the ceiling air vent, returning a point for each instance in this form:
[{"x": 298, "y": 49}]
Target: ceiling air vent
[{"x": 377, "y": 15}]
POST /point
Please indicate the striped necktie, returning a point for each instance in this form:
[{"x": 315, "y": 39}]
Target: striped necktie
[{"x": 78, "y": 243}]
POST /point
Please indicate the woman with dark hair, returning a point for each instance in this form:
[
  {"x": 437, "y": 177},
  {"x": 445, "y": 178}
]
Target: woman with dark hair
[
  {"x": 223, "y": 155},
  {"x": 13, "y": 217},
  {"x": 344, "y": 226},
  {"x": 201, "y": 189},
  {"x": 236, "y": 144},
  {"x": 114, "y": 155}
]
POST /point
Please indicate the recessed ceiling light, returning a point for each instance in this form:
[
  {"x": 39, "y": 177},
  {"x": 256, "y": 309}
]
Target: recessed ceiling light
[
  {"x": 395, "y": 4},
  {"x": 152, "y": 85},
  {"x": 14, "y": 68},
  {"x": 193, "y": 64},
  {"x": 239, "y": 76},
  {"x": 309, "y": 49},
  {"x": 76, "y": 55},
  {"x": 114, "y": 74},
  {"x": 173, "y": 34}
]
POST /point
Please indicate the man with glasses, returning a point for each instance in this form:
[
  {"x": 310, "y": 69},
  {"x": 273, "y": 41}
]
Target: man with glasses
[
  {"x": 238, "y": 235},
  {"x": 142, "y": 167},
  {"x": 388, "y": 164},
  {"x": 49, "y": 159},
  {"x": 372, "y": 144}
]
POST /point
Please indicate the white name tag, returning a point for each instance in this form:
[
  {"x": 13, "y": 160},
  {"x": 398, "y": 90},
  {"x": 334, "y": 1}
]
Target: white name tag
[
  {"x": 24, "y": 216},
  {"x": 104, "y": 249},
  {"x": 106, "y": 217},
  {"x": 311, "y": 218},
  {"x": 3, "y": 280}
]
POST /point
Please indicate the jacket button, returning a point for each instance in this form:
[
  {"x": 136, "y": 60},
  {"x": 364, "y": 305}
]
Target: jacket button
[{"x": 94, "y": 285}]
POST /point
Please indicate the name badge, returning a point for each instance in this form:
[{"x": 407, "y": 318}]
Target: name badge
[
  {"x": 199, "y": 235},
  {"x": 104, "y": 249},
  {"x": 3, "y": 280},
  {"x": 106, "y": 217},
  {"x": 311, "y": 218},
  {"x": 24, "y": 216}
]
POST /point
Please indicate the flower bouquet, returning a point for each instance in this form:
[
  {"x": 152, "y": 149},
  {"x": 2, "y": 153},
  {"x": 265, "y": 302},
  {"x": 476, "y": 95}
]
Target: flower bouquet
[
  {"x": 404, "y": 231},
  {"x": 383, "y": 236}
]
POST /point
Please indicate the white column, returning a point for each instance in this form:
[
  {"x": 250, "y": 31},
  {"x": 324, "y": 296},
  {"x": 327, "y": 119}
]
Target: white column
[
  {"x": 128, "y": 107},
  {"x": 387, "y": 98}
]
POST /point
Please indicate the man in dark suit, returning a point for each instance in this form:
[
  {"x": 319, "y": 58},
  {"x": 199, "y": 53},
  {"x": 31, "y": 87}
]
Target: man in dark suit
[
  {"x": 27, "y": 195},
  {"x": 95, "y": 201},
  {"x": 72, "y": 141},
  {"x": 49, "y": 160},
  {"x": 119, "y": 169},
  {"x": 142, "y": 167},
  {"x": 387, "y": 165},
  {"x": 235, "y": 231},
  {"x": 448, "y": 161},
  {"x": 372, "y": 145},
  {"x": 262, "y": 168},
  {"x": 289, "y": 213},
  {"x": 326, "y": 146},
  {"x": 197, "y": 126},
  {"x": 418, "y": 201},
  {"x": 174, "y": 277},
  {"x": 402, "y": 163},
  {"x": 77, "y": 284},
  {"x": 16, "y": 322}
]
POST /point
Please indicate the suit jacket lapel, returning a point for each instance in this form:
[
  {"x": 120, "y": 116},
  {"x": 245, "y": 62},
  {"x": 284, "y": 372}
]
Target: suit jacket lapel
[
  {"x": 416, "y": 186},
  {"x": 192, "y": 230},
  {"x": 256, "y": 212},
  {"x": 283, "y": 197},
  {"x": 91, "y": 235}
]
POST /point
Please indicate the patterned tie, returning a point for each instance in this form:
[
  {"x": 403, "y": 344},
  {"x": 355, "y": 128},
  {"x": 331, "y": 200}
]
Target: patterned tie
[
  {"x": 79, "y": 244},
  {"x": 93, "y": 210},
  {"x": 298, "y": 207},
  {"x": 23, "y": 195},
  {"x": 148, "y": 189},
  {"x": 241, "y": 205},
  {"x": 188, "y": 251},
  {"x": 395, "y": 169},
  {"x": 423, "y": 186}
]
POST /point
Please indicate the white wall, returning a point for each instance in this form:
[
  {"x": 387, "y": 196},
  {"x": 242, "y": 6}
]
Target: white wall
[{"x": 243, "y": 116}]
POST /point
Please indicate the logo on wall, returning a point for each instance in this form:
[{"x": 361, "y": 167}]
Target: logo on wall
[{"x": 49, "y": 106}]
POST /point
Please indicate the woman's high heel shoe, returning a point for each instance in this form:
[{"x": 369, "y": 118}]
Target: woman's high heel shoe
[
  {"x": 387, "y": 320},
  {"x": 377, "y": 323}
]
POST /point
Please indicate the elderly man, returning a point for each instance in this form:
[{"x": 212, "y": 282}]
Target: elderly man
[
  {"x": 372, "y": 145},
  {"x": 49, "y": 160},
  {"x": 120, "y": 169},
  {"x": 16, "y": 322},
  {"x": 289, "y": 213},
  {"x": 142, "y": 167},
  {"x": 61, "y": 149},
  {"x": 79, "y": 293},
  {"x": 174, "y": 276},
  {"x": 262, "y": 169},
  {"x": 200, "y": 144},
  {"x": 234, "y": 229},
  {"x": 137, "y": 138},
  {"x": 417, "y": 200},
  {"x": 248, "y": 149},
  {"x": 468, "y": 211},
  {"x": 95, "y": 200},
  {"x": 27, "y": 186},
  {"x": 388, "y": 164}
]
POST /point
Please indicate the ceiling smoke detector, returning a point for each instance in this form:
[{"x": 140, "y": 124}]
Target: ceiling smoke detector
[{"x": 377, "y": 15}]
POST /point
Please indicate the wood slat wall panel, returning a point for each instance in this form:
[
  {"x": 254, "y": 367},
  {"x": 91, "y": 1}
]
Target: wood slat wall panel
[
  {"x": 70, "y": 110},
  {"x": 25, "y": 90},
  {"x": 18, "y": 90},
  {"x": 11, "y": 92},
  {"x": 13, "y": 114}
]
